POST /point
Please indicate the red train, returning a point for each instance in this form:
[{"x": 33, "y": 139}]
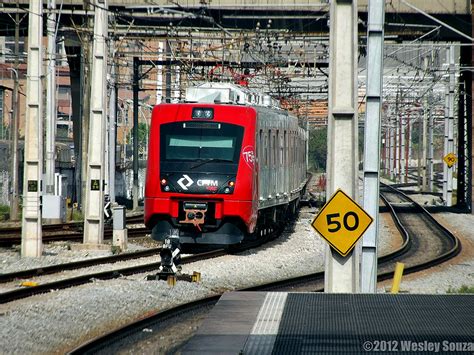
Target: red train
[{"x": 222, "y": 167}]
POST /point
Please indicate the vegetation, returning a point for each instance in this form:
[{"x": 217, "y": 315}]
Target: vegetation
[
  {"x": 74, "y": 215},
  {"x": 318, "y": 149},
  {"x": 462, "y": 289},
  {"x": 4, "y": 212}
]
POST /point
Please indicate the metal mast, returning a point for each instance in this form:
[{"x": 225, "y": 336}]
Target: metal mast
[
  {"x": 31, "y": 232},
  {"x": 375, "y": 37},
  {"x": 14, "y": 205},
  {"x": 112, "y": 127},
  {"x": 51, "y": 100},
  {"x": 452, "y": 82},
  {"x": 94, "y": 214}
]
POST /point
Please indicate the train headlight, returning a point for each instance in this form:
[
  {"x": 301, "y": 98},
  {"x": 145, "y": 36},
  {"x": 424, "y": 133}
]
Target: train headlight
[
  {"x": 163, "y": 182},
  {"x": 206, "y": 113},
  {"x": 226, "y": 190},
  {"x": 231, "y": 184},
  {"x": 166, "y": 188}
]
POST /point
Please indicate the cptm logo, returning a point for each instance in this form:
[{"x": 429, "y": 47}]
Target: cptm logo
[
  {"x": 184, "y": 185},
  {"x": 249, "y": 156}
]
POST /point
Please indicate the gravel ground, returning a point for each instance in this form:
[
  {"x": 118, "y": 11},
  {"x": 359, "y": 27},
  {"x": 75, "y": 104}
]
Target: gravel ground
[
  {"x": 453, "y": 274},
  {"x": 58, "y": 321}
]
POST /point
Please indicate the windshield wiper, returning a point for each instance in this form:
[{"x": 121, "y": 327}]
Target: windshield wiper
[{"x": 214, "y": 160}]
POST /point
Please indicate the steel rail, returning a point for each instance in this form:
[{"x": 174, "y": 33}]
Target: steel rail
[
  {"x": 152, "y": 320},
  {"x": 67, "y": 225},
  {"x": 105, "y": 275},
  {"x": 10, "y": 240},
  {"x": 47, "y": 270}
]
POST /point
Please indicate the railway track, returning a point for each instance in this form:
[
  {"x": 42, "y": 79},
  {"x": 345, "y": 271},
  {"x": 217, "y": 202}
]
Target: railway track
[
  {"x": 20, "y": 293},
  {"x": 64, "y": 232},
  {"x": 413, "y": 252}
]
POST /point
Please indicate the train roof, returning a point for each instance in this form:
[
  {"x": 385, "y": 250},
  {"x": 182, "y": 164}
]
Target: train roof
[{"x": 226, "y": 93}]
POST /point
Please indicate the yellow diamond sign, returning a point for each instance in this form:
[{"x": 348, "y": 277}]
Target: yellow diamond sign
[
  {"x": 341, "y": 222},
  {"x": 450, "y": 159}
]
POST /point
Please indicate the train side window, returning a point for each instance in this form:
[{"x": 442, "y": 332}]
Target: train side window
[
  {"x": 281, "y": 150},
  {"x": 290, "y": 148},
  {"x": 294, "y": 147},
  {"x": 277, "y": 149},
  {"x": 274, "y": 151},
  {"x": 269, "y": 152},
  {"x": 265, "y": 151}
]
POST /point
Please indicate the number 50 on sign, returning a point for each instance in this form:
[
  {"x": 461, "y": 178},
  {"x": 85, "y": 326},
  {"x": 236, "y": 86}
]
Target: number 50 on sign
[{"x": 341, "y": 222}]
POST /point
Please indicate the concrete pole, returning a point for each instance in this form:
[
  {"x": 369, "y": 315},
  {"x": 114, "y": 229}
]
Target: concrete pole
[
  {"x": 385, "y": 153},
  {"x": 403, "y": 173},
  {"x": 14, "y": 203},
  {"x": 397, "y": 139},
  {"x": 408, "y": 145},
  {"x": 446, "y": 123},
  {"x": 392, "y": 146},
  {"x": 94, "y": 213},
  {"x": 430, "y": 147},
  {"x": 177, "y": 83},
  {"x": 425, "y": 135},
  {"x": 375, "y": 37},
  {"x": 86, "y": 85},
  {"x": 342, "y": 273},
  {"x": 31, "y": 232},
  {"x": 51, "y": 110},
  {"x": 159, "y": 75},
  {"x": 452, "y": 84}
]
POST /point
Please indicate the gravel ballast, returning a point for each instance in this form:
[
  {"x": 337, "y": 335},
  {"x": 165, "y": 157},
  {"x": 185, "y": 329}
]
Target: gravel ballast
[{"x": 60, "y": 320}]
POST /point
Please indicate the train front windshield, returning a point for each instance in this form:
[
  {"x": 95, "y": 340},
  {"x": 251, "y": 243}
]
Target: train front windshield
[{"x": 194, "y": 141}]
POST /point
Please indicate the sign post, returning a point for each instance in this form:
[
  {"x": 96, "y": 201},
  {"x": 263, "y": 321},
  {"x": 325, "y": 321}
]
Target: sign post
[
  {"x": 341, "y": 222},
  {"x": 450, "y": 159},
  {"x": 342, "y": 273}
]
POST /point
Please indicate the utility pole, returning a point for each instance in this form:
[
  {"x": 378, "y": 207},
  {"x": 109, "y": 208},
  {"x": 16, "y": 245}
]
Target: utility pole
[
  {"x": 425, "y": 135},
  {"x": 452, "y": 82},
  {"x": 31, "y": 232},
  {"x": 375, "y": 37},
  {"x": 397, "y": 137},
  {"x": 14, "y": 204},
  {"x": 136, "y": 67},
  {"x": 408, "y": 145},
  {"x": 342, "y": 273},
  {"x": 51, "y": 110},
  {"x": 112, "y": 126},
  {"x": 392, "y": 145},
  {"x": 159, "y": 77},
  {"x": 94, "y": 211},
  {"x": 86, "y": 84},
  {"x": 446, "y": 123},
  {"x": 430, "y": 147},
  {"x": 403, "y": 173},
  {"x": 54, "y": 209}
]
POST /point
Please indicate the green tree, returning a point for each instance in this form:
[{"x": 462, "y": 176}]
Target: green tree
[{"x": 318, "y": 149}]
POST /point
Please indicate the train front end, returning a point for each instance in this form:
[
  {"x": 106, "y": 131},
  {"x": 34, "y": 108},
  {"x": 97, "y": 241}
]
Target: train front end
[{"x": 201, "y": 182}]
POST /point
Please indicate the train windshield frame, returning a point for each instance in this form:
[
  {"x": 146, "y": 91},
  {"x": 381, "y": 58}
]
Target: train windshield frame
[{"x": 200, "y": 141}]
